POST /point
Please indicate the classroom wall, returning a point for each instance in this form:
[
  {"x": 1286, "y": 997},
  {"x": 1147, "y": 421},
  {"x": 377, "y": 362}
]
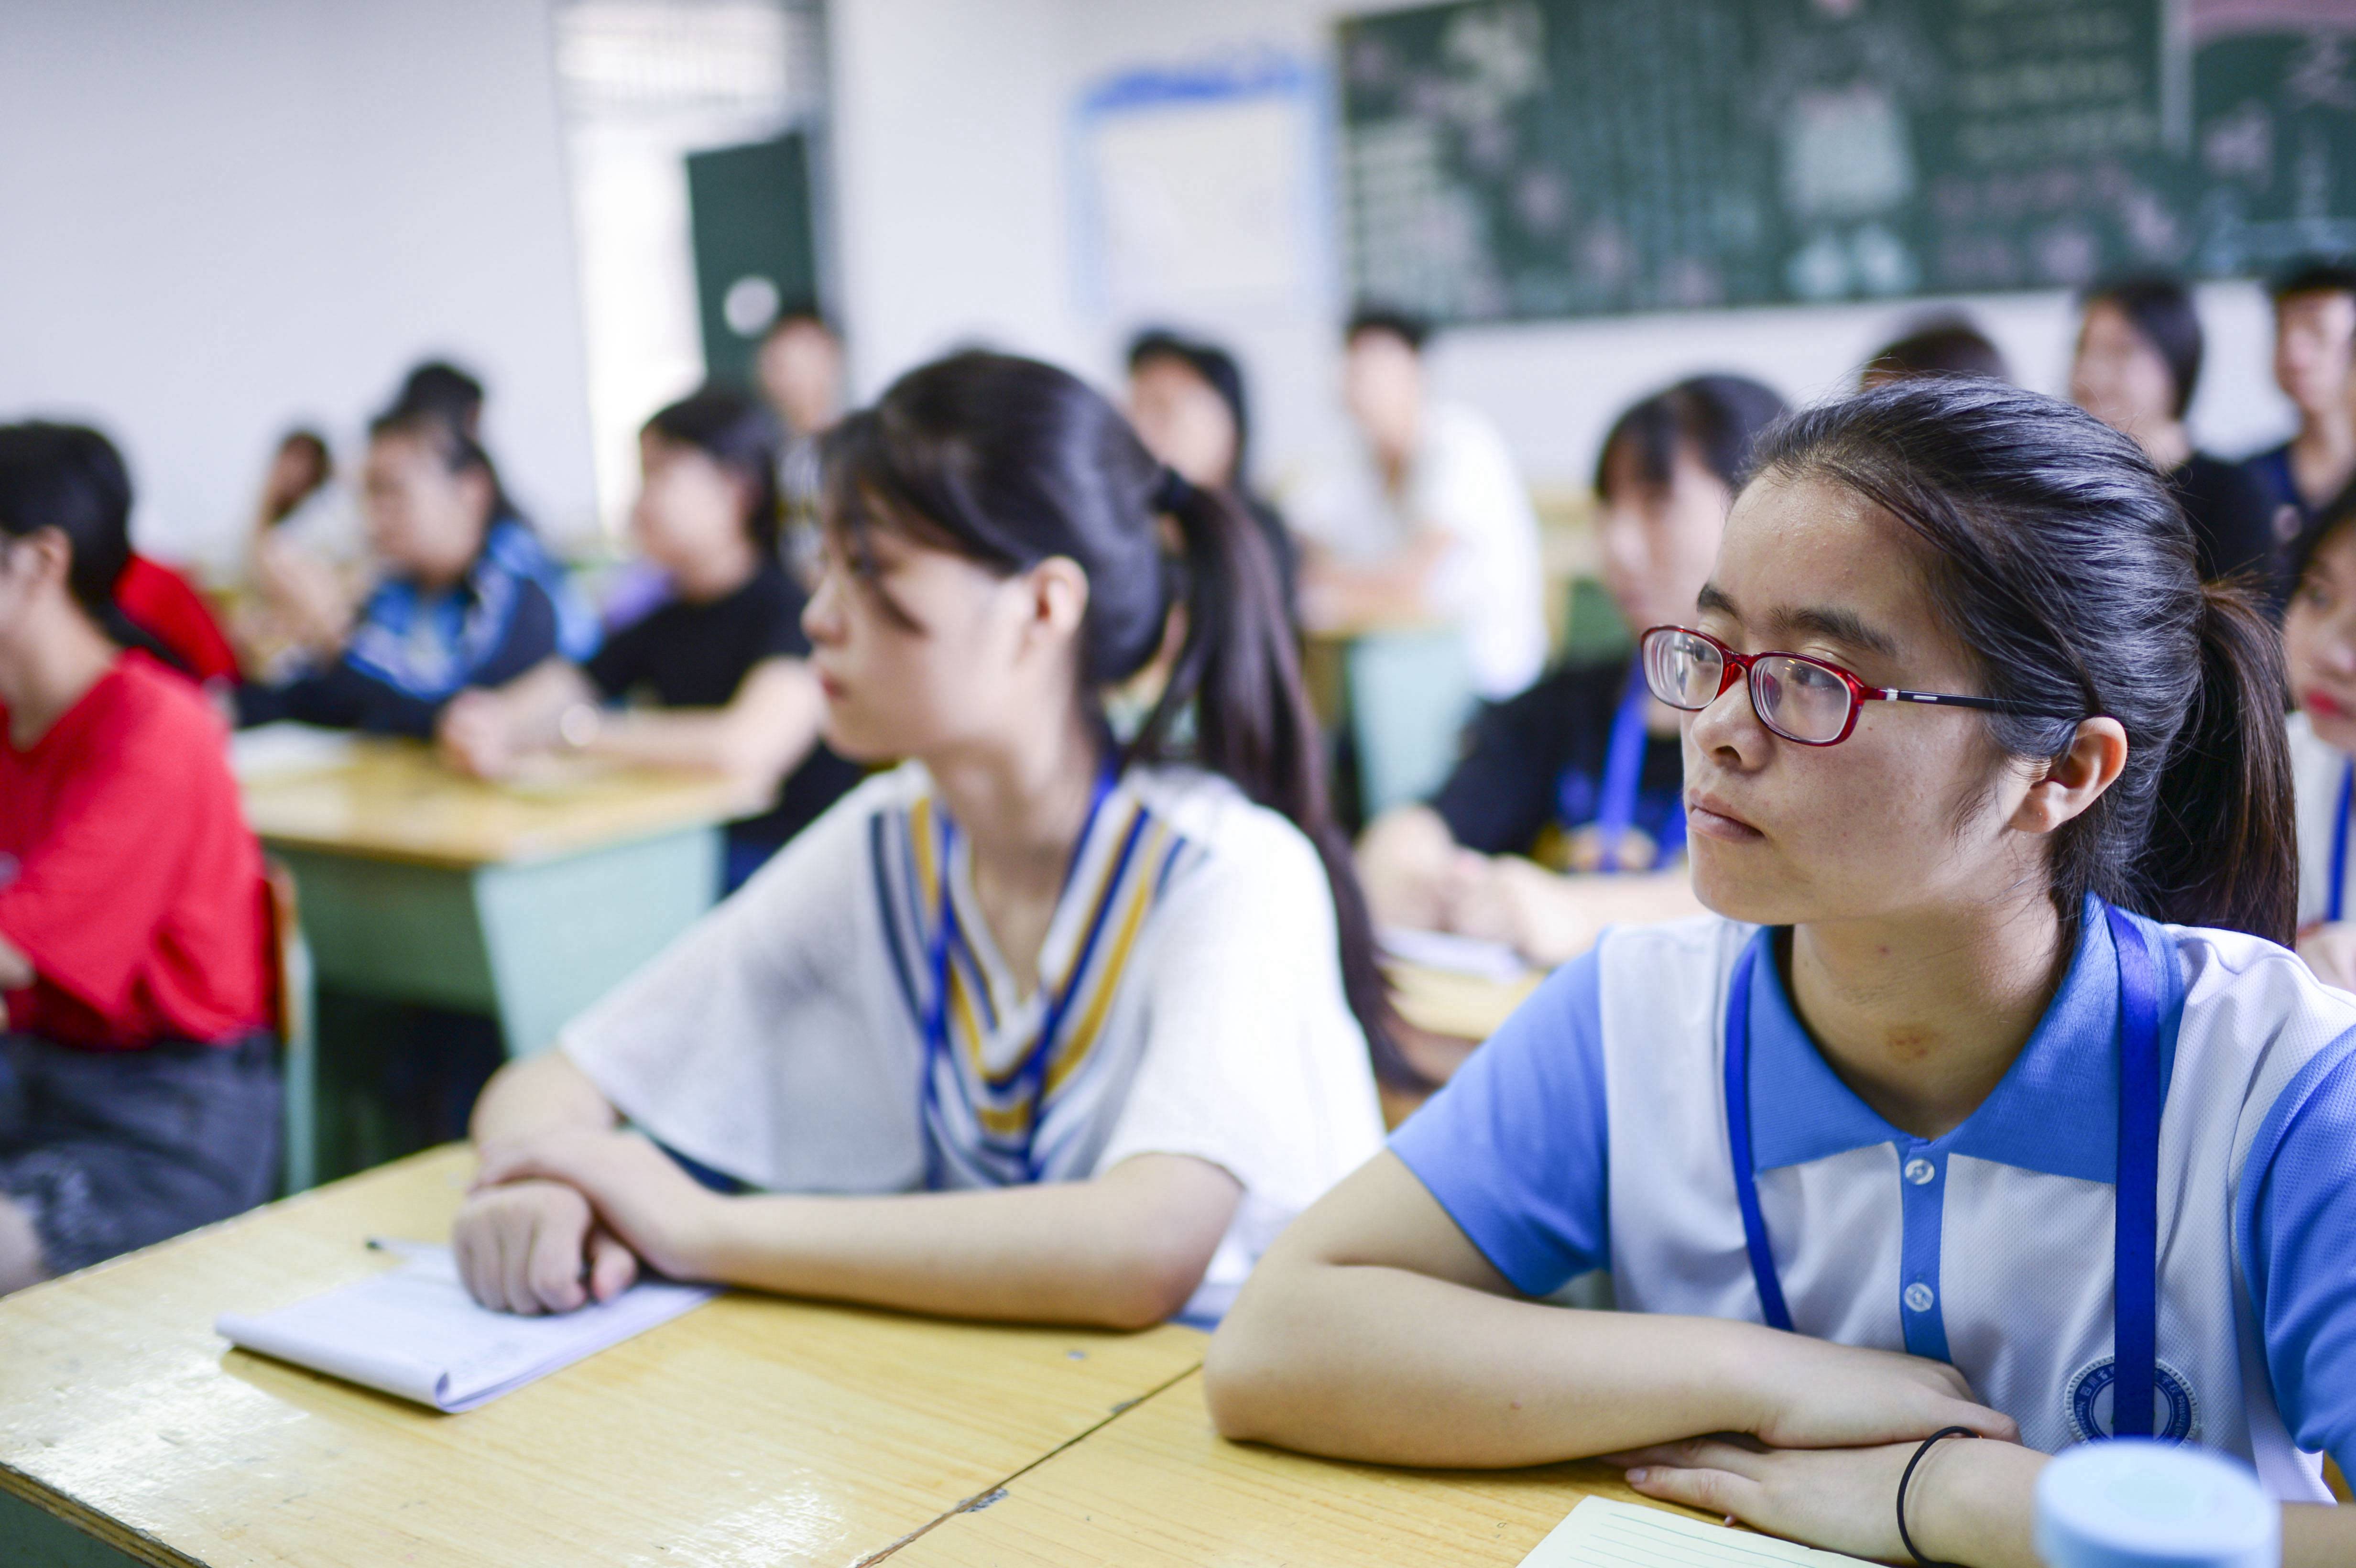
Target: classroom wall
[
  {"x": 958, "y": 123},
  {"x": 220, "y": 218}
]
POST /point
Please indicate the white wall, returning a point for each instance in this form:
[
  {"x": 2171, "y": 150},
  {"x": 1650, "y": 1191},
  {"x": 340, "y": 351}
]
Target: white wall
[
  {"x": 217, "y": 219},
  {"x": 956, "y": 187}
]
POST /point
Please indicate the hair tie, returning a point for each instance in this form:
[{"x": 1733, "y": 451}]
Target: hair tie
[{"x": 1171, "y": 491}]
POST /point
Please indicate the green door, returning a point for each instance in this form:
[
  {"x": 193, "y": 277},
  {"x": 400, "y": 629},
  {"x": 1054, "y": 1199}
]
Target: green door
[{"x": 756, "y": 247}]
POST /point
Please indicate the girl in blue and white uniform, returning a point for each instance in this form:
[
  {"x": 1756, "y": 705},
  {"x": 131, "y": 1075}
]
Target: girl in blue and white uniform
[
  {"x": 2319, "y": 647},
  {"x": 1987, "y": 1104}
]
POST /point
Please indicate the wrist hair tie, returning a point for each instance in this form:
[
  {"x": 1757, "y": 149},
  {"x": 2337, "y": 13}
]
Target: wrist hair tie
[{"x": 1911, "y": 1551}]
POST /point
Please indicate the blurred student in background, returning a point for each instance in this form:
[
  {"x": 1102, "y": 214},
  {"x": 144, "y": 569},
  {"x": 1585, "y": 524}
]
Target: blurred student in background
[
  {"x": 469, "y": 596},
  {"x": 1936, "y": 345},
  {"x": 2315, "y": 351},
  {"x": 1037, "y": 1026},
  {"x": 800, "y": 370},
  {"x": 2319, "y": 649},
  {"x": 1430, "y": 523},
  {"x": 718, "y": 676},
  {"x": 305, "y": 566},
  {"x": 1187, "y": 399},
  {"x": 1566, "y": 814},
  {"x": 438, "y": 387},
  {"x": 139, "y": 1090},
  {"x": 2138, "y": 361}
]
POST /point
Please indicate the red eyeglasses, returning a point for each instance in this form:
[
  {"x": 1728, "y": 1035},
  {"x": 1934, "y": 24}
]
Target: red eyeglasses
[{"x": 1805, "y": 700}]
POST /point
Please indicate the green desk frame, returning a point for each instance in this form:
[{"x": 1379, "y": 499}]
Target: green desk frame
[{"x": 530, "y": 943}]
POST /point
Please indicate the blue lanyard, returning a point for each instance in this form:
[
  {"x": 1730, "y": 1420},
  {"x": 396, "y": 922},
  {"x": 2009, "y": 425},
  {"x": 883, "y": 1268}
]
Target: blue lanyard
[
  {"x": 1624, "y": 764},
  {"x": 1032, "y": 1075},
  {"x": 2337, "y": 897},
  {"x": 2134, "y": 1239}
]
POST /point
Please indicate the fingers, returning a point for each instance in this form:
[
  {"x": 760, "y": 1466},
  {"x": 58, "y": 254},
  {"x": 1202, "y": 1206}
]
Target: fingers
[
  {"x": 1712, "y": 1492},
  {"x": 1979, "y": 1418},
  {"x": 613, "y": 1267},
  {"x": 557, "y": 1256}
]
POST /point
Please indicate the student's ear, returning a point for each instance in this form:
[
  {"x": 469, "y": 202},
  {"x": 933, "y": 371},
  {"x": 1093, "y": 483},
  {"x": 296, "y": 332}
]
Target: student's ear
[
  {"x": 2076, "y": 779},
  {"x": 43, "y": 556},
  {"x": 1059, "y": 596}
]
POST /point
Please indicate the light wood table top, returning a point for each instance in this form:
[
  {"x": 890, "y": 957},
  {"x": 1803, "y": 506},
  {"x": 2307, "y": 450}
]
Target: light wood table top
[
  {"x": 1158, "y": 1489},
  {"x": 391, "y": 799},
  {"x": 1460, "y": 1005},
  {"x": 753, "y": 1430}
]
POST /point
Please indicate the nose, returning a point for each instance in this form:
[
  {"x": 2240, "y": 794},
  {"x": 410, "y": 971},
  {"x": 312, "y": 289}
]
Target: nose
[{"x": 1730, "y": 727}]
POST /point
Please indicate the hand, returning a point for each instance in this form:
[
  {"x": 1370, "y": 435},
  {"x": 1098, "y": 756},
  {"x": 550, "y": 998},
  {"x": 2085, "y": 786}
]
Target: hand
[
  {"x": 640, "y": 1193},
  {"x": 1812, "y": 1394},
  {"x": 303, "y": 592},
  {"x": 2330, "y": 951},
  {"x": 1507, "y": 899},
  {"x": 471, "y": 735},
  {"x": 1969, "y": 1501},
  {"x": 533, "y": 1247}
]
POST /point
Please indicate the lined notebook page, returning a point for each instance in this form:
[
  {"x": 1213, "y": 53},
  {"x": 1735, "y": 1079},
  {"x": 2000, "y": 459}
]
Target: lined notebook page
[
  {"x": 414, "y": 1333},
  {"x": 1599, "y": 1534}
]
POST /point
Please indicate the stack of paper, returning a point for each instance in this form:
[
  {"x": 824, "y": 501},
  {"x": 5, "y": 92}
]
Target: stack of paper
[
  {"x": 1604, "y": 1534},
  {"x": 413, "y": 1331},
  {"x": 285, "y": 749}
]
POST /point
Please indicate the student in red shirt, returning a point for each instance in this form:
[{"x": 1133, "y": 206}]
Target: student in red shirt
[
  {"x": 168, "y": 608},
  {"x": 139, "y": 1091}
]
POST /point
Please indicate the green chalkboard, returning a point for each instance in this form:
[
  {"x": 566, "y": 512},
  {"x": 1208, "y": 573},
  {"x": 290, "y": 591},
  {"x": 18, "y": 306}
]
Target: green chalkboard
[
  {"x": 1520, "y": 159},
  {"x": 755, "y": 245}
]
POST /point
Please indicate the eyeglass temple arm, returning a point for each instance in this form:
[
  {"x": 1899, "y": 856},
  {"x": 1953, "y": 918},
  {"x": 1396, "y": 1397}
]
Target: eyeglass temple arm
[{"x": 1943, "y": 699}]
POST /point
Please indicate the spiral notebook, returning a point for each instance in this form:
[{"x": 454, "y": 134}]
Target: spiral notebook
[
  {"x": 1599, "y": 1534},
  {"x": 412, "y": 1331}
]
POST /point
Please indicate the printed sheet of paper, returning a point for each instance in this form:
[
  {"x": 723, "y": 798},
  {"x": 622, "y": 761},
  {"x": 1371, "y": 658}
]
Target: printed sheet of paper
[
  {"x": 414, "y": 1333},
  {"x": 1599, "y": 1534}
]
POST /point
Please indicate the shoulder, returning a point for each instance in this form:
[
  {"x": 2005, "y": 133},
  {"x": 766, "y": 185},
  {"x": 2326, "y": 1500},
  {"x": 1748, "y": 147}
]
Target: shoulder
[
  {"x": 2253, "y": 1011},
  {"x": 1255, "y": 855},
  {"x": 156, "y": 721},
  {"x": 1698, "y": 947}
]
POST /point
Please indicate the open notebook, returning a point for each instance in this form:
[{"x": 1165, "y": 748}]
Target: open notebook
[
  {"x": 413, "y": 1331},
  {"x": 1599, "y": 1534}
]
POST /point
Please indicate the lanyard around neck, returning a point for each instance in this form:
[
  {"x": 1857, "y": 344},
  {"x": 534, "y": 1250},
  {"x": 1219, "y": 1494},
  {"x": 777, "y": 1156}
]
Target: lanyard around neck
[
  {"x": 1031, "y": 1075},
  {"x": 2136, "y": 1225},
  {"x": 2336, "y": 900},
  {"x": 1623, "y": 766}
]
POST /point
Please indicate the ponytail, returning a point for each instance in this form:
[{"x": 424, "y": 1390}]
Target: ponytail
[
  {"x": 2223, "y": 847},
  {"x": 1239, "y": 674}
]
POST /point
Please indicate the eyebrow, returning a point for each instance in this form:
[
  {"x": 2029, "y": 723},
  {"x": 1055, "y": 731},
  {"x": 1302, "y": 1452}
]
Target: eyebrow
[{"x": 1823, "y": 620}]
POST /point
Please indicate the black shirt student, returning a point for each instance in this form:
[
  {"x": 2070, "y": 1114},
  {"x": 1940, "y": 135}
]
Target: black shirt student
[
  {"x": 1532, "y": 781},
  {"x": 1580, "y": 774},
  {"x": 716, "y": 676},
  {"x": 689, "y": 654}
]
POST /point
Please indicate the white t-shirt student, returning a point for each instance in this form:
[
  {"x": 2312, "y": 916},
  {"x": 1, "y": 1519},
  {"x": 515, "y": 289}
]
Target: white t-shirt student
[
  {"x": 2320, "y": 772},
  {"x": 1593, "y": 1132},
  {"x": 792, "y": 1038},
  {"x": 1462, "y": 482}
]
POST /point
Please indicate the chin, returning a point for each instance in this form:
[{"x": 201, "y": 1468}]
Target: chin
[{"x": 1730, "y": 881}]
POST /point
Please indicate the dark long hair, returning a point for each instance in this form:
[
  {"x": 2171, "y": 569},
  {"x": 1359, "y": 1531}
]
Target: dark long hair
[
  {"x": 1009, "y": 463},
  {"x": 736, "y": 432},
  {"x": 2059, "y": 558},
  {"x": 1716, "y": 416},
  {"x": 69, "y": 477}
]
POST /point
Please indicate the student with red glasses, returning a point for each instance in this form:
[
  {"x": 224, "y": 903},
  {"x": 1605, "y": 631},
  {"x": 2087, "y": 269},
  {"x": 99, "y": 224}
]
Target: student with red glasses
[{"x": 1984, "y": 1116}]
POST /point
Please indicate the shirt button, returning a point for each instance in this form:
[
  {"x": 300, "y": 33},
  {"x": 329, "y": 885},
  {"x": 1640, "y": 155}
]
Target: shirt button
[
  {"x": 1918, "y": 1298},
  {"x": 1921, "y": 1172}
]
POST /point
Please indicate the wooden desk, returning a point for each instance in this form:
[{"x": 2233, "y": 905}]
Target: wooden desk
[
  {"x": 525, "y": 900},
  {"x": 1158, "y": 1489},
  {"x": 750, "y": 1431}
]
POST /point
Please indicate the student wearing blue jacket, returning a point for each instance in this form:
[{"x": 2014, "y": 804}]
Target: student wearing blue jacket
[
  {"x": 1989, "y": 1112},
  {"x": 470, "y": 597}
]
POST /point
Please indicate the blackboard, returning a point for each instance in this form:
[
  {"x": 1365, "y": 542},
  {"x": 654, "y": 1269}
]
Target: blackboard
[{"x": 1523, "y": 158}]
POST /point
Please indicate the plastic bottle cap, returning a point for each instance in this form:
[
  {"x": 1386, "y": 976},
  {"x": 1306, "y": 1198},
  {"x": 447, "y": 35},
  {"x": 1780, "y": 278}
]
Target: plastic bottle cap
[{"x": 2134, "y": 1503}]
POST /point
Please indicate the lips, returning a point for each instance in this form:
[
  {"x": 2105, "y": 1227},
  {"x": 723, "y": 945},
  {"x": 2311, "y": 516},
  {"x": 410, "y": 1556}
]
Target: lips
[
  {"x": 2324, "y": 705},
  {"x": 1713, "y": 819}
]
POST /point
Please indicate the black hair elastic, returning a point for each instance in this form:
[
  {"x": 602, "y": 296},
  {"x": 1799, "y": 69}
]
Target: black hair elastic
[
  {"x": 1920, "y": 1561},
  {"x": 1171, "y": 491}
]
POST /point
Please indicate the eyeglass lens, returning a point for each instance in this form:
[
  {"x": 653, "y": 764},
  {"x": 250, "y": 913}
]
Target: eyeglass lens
[{"x": 1800, "y": 700}]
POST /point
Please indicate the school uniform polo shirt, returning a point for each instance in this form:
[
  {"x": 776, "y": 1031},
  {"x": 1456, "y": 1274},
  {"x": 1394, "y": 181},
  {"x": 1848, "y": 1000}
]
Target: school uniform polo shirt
[{"x": 1591, "y": 1133}]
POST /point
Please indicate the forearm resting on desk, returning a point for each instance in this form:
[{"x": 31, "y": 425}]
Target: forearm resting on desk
[
  {"x": 539, "y": 1094},
  {"x": 1374, "y": 1329}
]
